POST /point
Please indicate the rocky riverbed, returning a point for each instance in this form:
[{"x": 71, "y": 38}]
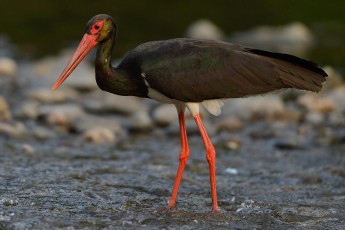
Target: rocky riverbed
[{"x": 80, "y": 158}]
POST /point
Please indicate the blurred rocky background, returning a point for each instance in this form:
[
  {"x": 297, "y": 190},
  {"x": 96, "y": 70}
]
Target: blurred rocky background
[{"x": 99, "y": 160}]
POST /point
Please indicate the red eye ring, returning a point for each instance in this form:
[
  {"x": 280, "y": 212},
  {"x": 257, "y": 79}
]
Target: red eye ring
[{"x": 96, "y": 27}]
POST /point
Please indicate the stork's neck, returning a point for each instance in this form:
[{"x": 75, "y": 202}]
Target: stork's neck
[{"x": 115, "y": 80}]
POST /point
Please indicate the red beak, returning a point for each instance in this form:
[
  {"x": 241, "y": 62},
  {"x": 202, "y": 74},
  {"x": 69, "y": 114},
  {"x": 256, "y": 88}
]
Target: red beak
[{"x": 84, "y": 47}]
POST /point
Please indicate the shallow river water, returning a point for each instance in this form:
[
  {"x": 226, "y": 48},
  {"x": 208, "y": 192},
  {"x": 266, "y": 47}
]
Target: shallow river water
[{"x": 67, "y": 184}]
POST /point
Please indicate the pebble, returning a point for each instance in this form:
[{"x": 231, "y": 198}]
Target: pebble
[
  {"x": 232, "y": 171},
  {"x": 99, "y": 135},
  {"x": 28, "y": 149},
  {"x": 233, "y": 143}
]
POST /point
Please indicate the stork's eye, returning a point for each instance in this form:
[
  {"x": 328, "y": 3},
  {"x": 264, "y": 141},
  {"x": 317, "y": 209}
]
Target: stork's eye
[{"x": 96, "y": 27}]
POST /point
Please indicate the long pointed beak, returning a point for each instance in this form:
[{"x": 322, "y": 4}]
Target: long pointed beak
[{"x": 84, "y": 47}]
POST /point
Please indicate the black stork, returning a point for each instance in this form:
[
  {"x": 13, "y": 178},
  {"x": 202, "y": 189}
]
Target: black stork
[{"x": 190, "y": 72}]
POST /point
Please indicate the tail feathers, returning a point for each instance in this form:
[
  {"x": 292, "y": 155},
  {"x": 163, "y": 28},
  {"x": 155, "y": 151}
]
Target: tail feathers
[{"x": 307, "y": 75}]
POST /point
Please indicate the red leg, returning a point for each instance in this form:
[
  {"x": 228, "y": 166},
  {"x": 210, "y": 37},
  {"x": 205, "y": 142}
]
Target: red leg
[
  {"x": 184, "y": 154},
  {"x": 211, "y": 159}
]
